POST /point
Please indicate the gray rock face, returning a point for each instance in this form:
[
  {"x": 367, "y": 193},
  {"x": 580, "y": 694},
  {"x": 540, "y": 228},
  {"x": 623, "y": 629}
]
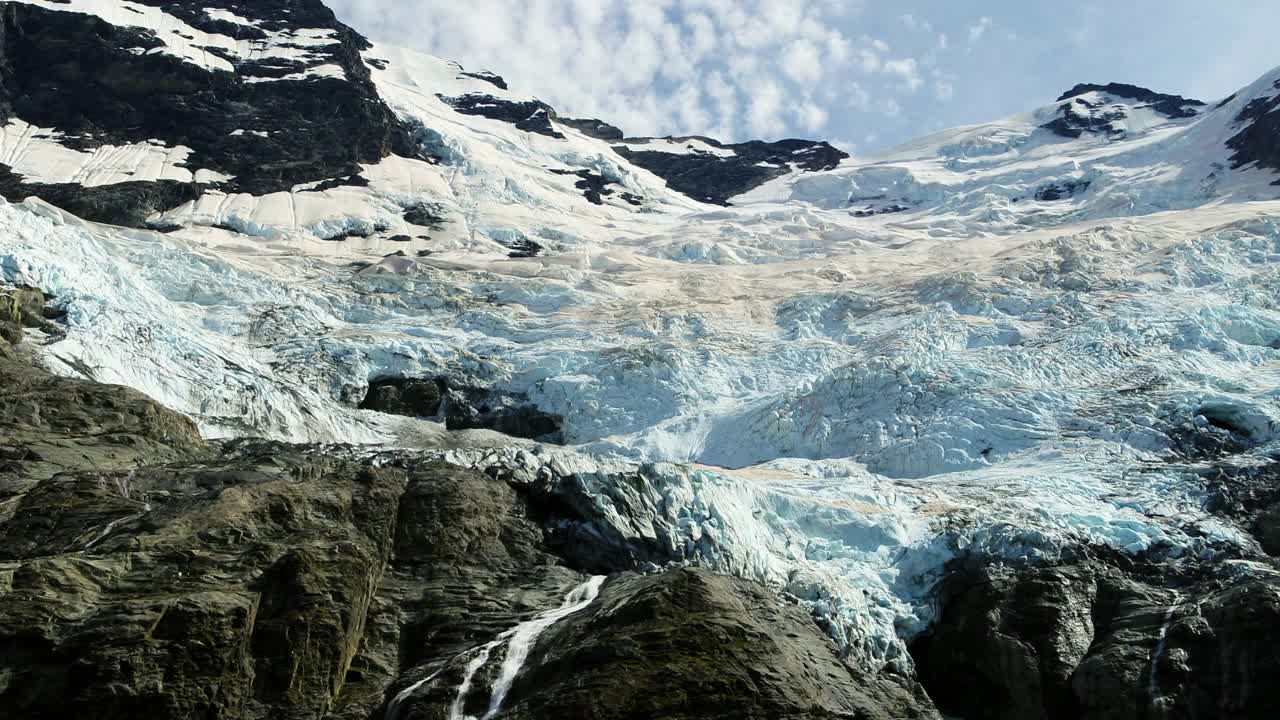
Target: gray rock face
[
  {"x": 716, "y": 647},
  {"x": 81, "y": 76},
  {"x": 1091, "y": 642},
  {"x": 715, "y": 179},
  {"x": 410, "y": 397},
  {"x": 1257, "y": 143}
]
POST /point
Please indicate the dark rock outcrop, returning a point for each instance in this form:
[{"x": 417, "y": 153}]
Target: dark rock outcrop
[
  {"x": 1062, "y": 190},
  {"x": 486, "y": 76},
  {"x": 716, "y": 646},
  {"x": 470, "y": 408},
  {"x": 524, "y": 248},
  {"x": 713, "y": 178},
  {"x": 1174, "y": 106},
  {"x": 592, "y": 127},
  {"x": 80, "y": 75},
  {"x": 1089, "y": 642},
  {"x": 426, "y": 215},
  {"x": 531, "y": 116},
  {"x": 1258, "y": 141},
  {"x": 883, "y": 210},
  {"x": 411, "y": 397},
  {"x": 127, "y": 203},
  {"x": 1267, "y": 529},
  {"x": 462, "y": 407},
  {"x": 594, "y": 186},
  {"x": 1079, "y": 117}
]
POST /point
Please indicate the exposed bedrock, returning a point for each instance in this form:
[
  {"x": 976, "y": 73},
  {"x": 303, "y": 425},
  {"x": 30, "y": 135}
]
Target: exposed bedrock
[
  {"x": 410, "y": 397},
  {"x": 1089, "y": 641},
  {"x": 1258, "y": 141},
  {"x": 715, "y": 178},
  {"x": 462, "y": 407},
  {"x": 716, "y": 647},
  {"x": 86, "y": 79}
]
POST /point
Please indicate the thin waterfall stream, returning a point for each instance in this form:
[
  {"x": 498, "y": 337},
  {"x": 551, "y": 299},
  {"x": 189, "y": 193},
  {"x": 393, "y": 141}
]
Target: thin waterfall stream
[{"x": 520, "y": 640}]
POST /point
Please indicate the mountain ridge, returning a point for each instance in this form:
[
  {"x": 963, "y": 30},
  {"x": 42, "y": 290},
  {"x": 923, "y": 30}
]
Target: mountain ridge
[{"x": 986, "y": 424}]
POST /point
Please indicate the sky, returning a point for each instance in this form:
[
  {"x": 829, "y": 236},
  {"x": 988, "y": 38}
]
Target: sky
[{"x": 864, "y": 75}]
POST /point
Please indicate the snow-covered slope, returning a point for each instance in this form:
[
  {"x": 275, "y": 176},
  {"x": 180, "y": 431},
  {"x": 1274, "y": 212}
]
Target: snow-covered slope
[
  {"x": 1091, "y": 155},
  {"x": 998, "y": 341}
]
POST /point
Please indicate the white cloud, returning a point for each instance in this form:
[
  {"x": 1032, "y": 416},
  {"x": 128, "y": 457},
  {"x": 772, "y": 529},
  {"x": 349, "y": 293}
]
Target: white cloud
[
  {"x": 943, "y": 90},
  {"x": 858, "y": 97},
  {"x": 812, "y": 117},
  {"x": 802, "y": 62},
  {"x": 734, "y": 69},
  {"x": 977, "y": 30},
  {"x": 764, "y": 113},
  {"x": 907, "y": 70},
  {"x": 914, "y": 23},
  {"x": 870, "y": 60}
]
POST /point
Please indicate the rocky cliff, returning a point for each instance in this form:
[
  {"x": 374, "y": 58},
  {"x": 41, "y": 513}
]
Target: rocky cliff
[{"x": 145, "y": 573}]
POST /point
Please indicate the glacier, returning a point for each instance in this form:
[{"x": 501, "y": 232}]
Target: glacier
[{"x": 835, "y": 404}]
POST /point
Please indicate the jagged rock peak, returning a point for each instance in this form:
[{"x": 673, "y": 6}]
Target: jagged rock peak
[
  {"x": 252, "y": 98},
  {"x": 1171, "y": 105}
]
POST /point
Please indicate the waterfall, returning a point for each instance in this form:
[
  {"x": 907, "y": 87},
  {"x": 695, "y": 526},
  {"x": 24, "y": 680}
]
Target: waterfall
[
  {"x": 393, "y": 707},
  {"x": 1162, "y": 641},
  {"x": 455, "y": 710},
  {"x": 520, "y": 640},
  {"x": 526, "y": 634}
]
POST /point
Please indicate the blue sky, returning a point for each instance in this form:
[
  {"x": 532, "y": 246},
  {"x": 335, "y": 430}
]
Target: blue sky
[{"x": 862, "y": 74}]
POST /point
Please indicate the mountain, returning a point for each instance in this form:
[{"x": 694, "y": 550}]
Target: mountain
[{"x": 344, "y": 382}]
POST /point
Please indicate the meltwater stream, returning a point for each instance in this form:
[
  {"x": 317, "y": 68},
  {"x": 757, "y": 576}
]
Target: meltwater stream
[
  {"x": 1162, "y": 642},
  {"x": 520, "y": 640},
  {"x": 524, "y": 635}
]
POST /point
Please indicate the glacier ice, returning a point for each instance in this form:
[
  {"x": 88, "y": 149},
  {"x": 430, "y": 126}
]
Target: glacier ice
[{"x": 834, "y": 405}]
